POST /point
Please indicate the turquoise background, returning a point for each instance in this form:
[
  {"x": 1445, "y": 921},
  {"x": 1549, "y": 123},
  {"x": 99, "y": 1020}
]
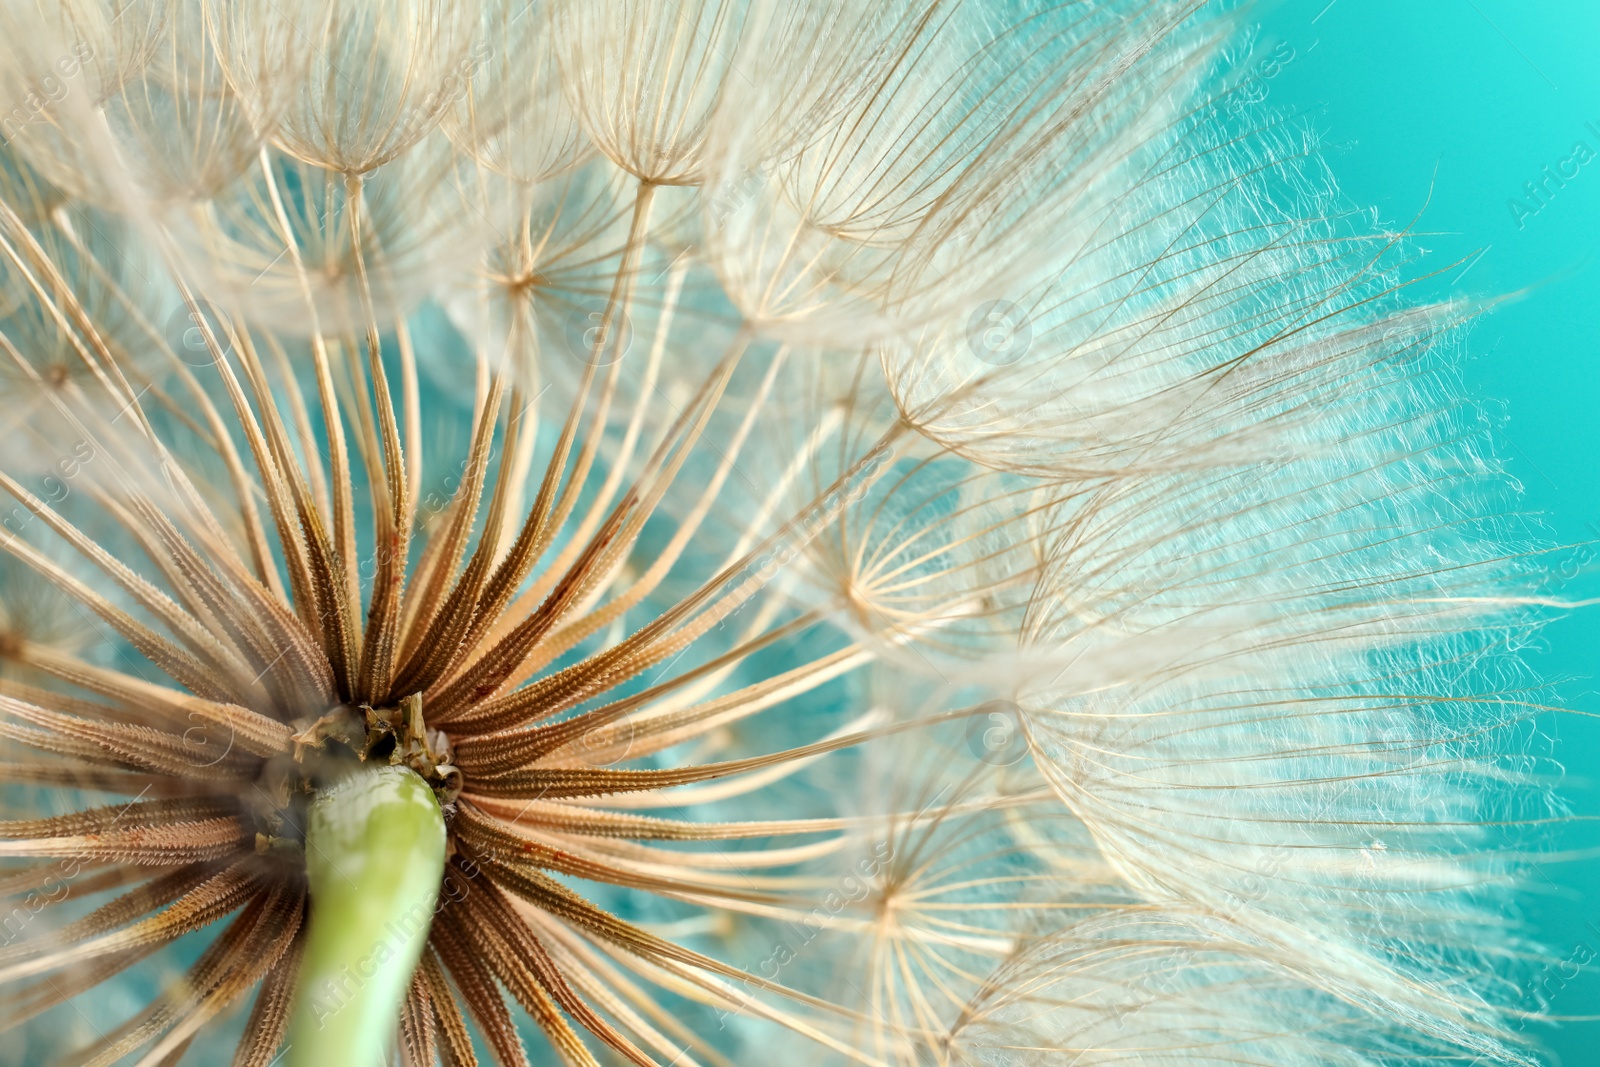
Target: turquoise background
[{"x": 1448, "y": 108}]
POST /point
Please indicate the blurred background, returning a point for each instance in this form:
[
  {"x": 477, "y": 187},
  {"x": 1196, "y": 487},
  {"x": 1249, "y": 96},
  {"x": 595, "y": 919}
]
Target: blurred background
[{"x": 1480, "y": 120}]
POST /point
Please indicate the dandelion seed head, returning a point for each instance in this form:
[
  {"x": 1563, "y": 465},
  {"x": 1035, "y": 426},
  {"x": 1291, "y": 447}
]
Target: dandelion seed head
[{"x": 907, "y": 533}]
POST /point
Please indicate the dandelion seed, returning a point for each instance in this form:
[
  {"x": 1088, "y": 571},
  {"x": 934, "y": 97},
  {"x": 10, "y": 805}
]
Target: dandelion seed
[{"x": 653, "y": 532}]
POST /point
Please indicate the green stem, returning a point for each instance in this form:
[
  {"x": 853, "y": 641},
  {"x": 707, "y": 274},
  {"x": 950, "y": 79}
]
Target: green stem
[{"x": 375, "y": 850}]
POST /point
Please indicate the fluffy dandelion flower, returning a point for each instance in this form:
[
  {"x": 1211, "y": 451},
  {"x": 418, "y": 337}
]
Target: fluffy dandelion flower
[{"x": 654, "y": 531}]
